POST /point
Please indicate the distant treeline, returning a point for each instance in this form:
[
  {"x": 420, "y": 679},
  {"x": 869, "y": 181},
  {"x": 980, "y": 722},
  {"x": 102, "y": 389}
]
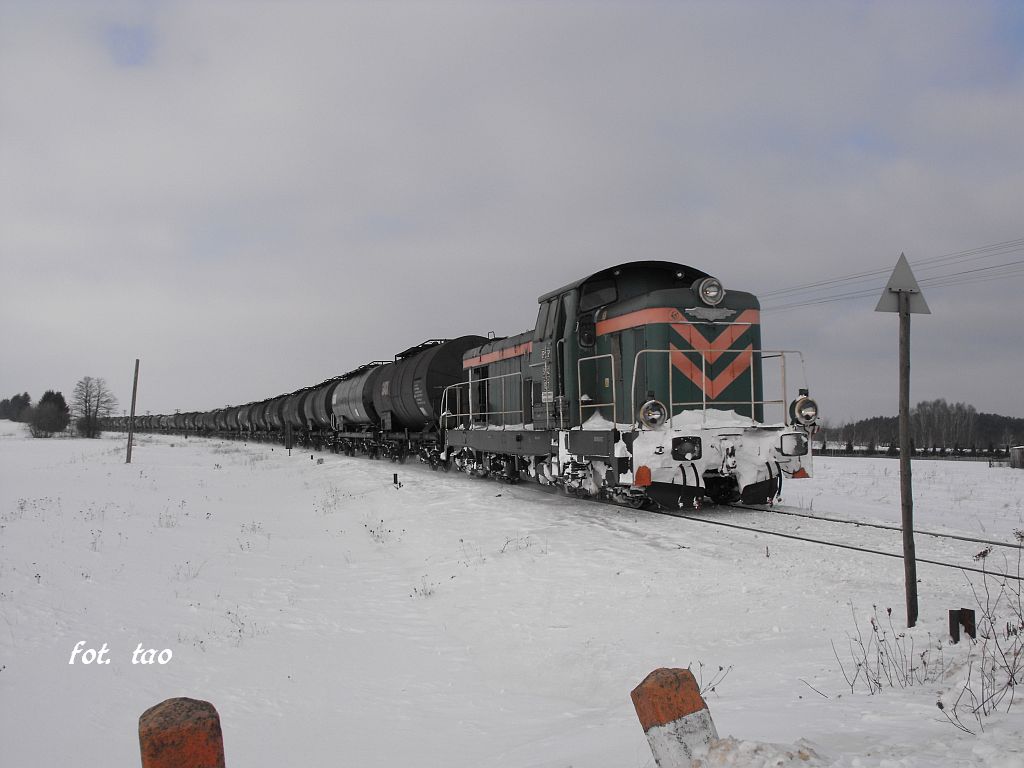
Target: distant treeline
[{"x": 935, "y": 427}]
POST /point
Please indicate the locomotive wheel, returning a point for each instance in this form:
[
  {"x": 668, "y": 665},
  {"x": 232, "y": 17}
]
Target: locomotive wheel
[
  {"x": 761, "y": 493},
  {"x": 724, "y": 496},
  {"x": 722, "y": 490}
]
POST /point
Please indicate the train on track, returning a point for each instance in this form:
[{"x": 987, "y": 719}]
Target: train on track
[{"x": 640, "y": 384}]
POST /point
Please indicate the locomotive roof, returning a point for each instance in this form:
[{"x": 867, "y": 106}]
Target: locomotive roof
[{"x": 689, "y": 274}]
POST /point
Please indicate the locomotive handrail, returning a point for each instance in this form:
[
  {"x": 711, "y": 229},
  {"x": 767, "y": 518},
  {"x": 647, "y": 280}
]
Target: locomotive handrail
[
  {"x": 470, "y": 413},
  {"x": 579, "y": 380},
  {"x": 765, "y": 354}
]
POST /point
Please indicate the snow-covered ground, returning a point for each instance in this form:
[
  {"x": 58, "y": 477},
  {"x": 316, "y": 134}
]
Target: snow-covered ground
[{"x": 336, "y": 619}]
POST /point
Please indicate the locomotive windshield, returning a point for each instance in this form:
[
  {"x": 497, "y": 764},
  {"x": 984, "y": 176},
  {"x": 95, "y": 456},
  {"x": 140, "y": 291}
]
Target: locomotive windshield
[{"x": 597, "y": 295}]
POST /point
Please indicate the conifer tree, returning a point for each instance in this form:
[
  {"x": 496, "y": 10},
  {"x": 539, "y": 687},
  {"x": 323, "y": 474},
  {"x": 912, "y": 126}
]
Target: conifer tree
[{"x": 51, "y": 415}]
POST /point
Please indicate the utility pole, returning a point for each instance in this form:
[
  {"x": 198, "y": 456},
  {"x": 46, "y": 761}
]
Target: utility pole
[
  {"x": 903, "y": 295},
  {"x": 131, "y": 419}
]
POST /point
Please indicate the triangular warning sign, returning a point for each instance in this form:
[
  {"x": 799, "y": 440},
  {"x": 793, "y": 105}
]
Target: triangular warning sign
[{"x": 902, "y": 281}]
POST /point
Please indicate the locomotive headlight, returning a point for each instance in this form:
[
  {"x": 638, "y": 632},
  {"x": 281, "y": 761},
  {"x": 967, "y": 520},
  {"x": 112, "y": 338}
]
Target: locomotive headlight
[
  {"x": 803, "y": 410},
  {"x": 710, "y": 291},
  {"x": 793, "y": 444},
  {"x": 653, "y": 414}
]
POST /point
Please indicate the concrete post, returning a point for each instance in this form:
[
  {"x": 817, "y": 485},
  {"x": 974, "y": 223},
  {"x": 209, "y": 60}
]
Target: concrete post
[
  {"x": 674, "y": 717},
  {"x": 181, "y": 733}
]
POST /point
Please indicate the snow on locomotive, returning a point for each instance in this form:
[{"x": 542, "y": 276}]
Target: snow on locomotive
[{"x": 642, "y": 383}]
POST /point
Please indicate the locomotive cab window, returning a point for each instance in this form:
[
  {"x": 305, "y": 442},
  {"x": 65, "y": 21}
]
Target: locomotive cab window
[
  {"x": 542, "y": 321},
  {"x": 556, "y": 319},
  {"x": 597, "y": 295},
  {"x": 550, "y": 320}
]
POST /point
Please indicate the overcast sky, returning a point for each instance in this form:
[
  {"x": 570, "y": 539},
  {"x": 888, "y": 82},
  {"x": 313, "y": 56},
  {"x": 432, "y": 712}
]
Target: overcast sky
[{"x": 253, "y": 197}]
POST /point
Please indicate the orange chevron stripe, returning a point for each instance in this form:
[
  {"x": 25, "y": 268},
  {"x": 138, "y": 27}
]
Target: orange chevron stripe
[
  {"x": 725, "y": 339},
  {"x": 682, "y": 363},
  {"x": 736, "y": 369},
  {"x": 713, "y": 387}
]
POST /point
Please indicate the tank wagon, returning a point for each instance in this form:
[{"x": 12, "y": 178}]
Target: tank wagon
[{"x": 641, "y": 383}]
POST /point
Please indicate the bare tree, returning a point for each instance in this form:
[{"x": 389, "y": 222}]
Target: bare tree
[{"x": 91, "y": 402}]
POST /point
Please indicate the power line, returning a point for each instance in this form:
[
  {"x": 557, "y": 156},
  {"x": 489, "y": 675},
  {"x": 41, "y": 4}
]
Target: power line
[
  {"x": 869, "y": 283},
  {"x": 981, "y": 252}
]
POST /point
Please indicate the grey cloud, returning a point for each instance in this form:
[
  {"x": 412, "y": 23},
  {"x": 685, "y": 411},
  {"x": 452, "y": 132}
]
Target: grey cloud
[{"x": 273, "y": 193}]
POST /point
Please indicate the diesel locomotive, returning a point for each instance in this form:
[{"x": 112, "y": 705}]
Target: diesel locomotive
[{"x": 644, "y": 383}]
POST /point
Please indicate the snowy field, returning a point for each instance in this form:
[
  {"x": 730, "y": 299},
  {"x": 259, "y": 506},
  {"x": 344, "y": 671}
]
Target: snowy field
[{"x": 336, "y": 619}]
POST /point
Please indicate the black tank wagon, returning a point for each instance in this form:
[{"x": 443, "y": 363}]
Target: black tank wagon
[{"x": 399, "y": 402}]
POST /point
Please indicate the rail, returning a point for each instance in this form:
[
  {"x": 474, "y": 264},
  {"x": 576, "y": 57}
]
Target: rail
[{"x": 839, "y": 545}]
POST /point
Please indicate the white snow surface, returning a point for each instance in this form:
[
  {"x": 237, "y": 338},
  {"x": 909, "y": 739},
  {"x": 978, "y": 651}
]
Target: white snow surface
[{"x": 334, "y": 618}]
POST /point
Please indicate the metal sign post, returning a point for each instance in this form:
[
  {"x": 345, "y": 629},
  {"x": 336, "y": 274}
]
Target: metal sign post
[{"x": 903, "y": 295}]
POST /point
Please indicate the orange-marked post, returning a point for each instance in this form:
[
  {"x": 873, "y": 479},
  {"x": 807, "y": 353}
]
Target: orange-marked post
[
  {"x": 674, "y": 716},
  {"x": 181, "y": 733}
]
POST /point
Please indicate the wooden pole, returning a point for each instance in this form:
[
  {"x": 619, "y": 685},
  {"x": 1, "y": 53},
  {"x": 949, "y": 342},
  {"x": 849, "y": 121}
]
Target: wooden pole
[
  {"x": 131, "y": 419},
  {"x": 906, "y": 491}
]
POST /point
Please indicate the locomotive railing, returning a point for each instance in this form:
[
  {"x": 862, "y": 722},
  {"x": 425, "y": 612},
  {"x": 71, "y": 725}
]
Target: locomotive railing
[
  {"x": 703, "y": 403},
  {"x": 590, "y": 404},
  {"x": 462, "y": 394}
]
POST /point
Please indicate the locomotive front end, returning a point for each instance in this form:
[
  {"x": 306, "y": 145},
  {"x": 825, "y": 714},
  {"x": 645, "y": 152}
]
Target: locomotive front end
[{"x": 703, "y": 410}]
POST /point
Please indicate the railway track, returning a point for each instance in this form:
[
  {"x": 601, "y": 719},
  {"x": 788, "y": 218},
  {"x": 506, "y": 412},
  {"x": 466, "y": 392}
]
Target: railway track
[
  {"x": 755, "y": 522},
  {"x": 759, "y": 523},
  {"x": 882, "y": 526}
]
